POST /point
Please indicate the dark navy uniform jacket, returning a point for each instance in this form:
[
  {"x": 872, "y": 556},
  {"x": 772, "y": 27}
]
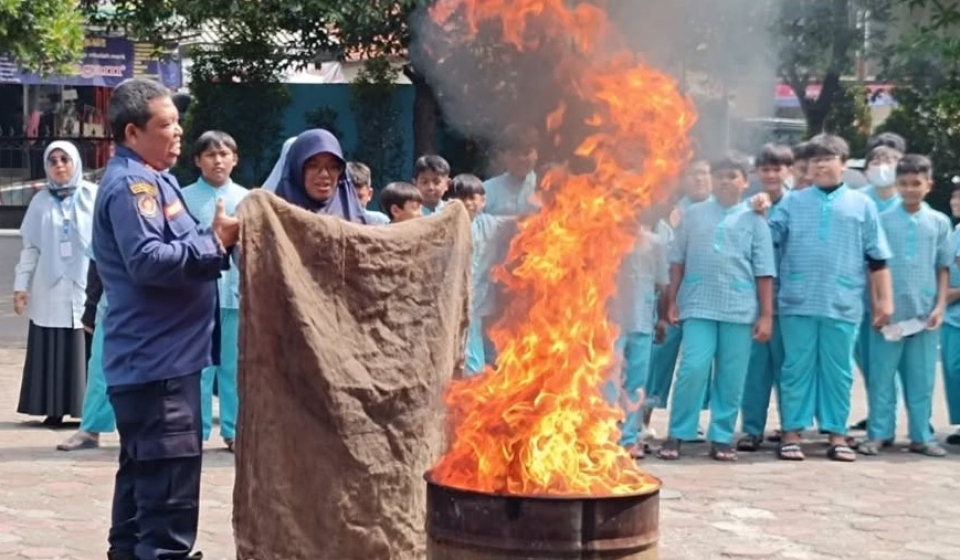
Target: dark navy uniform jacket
[{"x": 159, "y": 273}]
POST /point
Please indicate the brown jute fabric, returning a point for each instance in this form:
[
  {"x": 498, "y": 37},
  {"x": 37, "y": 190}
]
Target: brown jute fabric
[{"x": 348, "y": 336}]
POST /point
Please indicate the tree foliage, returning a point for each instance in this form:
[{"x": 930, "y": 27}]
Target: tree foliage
[{"x": 44, "y": 36}]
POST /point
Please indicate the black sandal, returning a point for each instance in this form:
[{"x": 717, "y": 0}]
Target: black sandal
[
  {"x": 670, "y": 450},
  {"x": 723, "y": 452},
  {"x": 953, "y": 439},
  {"x": 790, "y": 452},
  {"x": 841, "y": 453},
  {"x": 749, "y": 443}
]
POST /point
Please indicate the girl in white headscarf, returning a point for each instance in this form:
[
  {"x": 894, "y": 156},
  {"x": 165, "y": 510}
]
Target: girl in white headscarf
[
  {"x": 274, "y": 178},
  {"x": 50, "y": 281}
]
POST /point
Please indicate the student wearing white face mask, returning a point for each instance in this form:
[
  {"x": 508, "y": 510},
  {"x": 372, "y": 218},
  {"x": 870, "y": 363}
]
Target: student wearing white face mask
[{"x": 881, "y": 172}]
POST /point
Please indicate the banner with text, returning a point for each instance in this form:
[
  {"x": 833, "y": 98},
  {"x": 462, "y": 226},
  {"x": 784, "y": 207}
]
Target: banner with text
[{"x": 106, "y": 62}]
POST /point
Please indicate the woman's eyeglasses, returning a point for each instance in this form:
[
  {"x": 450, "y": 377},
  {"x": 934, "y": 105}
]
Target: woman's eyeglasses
[{"x": 55, "y": 160}]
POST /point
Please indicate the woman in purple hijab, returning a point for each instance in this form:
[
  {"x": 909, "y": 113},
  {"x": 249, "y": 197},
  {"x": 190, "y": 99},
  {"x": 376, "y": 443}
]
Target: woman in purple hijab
[{"x": 314, "y": 177}]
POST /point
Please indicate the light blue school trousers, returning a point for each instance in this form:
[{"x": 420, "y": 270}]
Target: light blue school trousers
[
  {"x": 226, "y": 376},
  {"x": 724, "y": 347},
  {"x": 915, "y": 358},
  {"x": 475, "y": 360},
  {"x": 663, "y": 365},
  {"x": 950, "y": 358},
  {"x": 98, "y": 417},
  {"x": 817, "y": 374},
  {"x": 629, "y": 389},
  {"x": 763, "y": 376}
]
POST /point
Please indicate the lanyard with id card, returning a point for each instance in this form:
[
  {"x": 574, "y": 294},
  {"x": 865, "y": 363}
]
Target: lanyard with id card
[{"x": 66, "y": 244}]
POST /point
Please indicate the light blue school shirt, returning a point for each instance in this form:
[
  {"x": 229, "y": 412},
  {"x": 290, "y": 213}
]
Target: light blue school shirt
[
  {"x": 882, "y": 205},
  {"x": 634, "y": 307},
  {"x": 201, "y": 200},
  {"x": 824, "y": 240},
  {"x": 375, "y": 218},
  {"x": 952, "y": 316},
  {"x": 428, "y": 212},
  {"x": 723, "y": 251},
  {"x": 777, "y": 251},
  {"x": 509, "y": 196},
  {"x": 921, "y": 246}
]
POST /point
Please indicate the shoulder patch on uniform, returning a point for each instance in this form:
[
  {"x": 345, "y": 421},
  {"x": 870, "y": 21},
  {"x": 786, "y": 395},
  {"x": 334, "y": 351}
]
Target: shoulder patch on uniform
[
  {"x": 143, "y": 188},
  {"x": 147, "y": 205}
]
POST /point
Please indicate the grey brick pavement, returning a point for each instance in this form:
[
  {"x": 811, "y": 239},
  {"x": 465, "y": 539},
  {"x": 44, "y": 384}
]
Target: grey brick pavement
[{"x": 55, "y": 506}]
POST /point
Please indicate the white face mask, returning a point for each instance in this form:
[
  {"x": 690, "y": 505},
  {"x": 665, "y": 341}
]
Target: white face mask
[{"x": 882, "y": 176}]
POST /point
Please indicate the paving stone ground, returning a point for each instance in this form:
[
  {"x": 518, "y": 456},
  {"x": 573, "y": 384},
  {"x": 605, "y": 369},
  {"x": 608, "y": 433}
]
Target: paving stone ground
[{"x": 55, "y": 506}]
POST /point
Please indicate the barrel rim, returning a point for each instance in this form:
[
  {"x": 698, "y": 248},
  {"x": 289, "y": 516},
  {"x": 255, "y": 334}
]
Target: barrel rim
[{"x": 427, "y": 476}]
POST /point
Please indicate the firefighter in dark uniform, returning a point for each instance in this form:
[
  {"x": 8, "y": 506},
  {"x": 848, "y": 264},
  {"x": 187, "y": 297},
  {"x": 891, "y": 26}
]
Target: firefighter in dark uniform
[{"x": 159, "y": 273}]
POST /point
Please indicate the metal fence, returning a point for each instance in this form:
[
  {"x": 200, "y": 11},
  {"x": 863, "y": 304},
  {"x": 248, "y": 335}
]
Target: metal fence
[{"x": 21, "y": 164}]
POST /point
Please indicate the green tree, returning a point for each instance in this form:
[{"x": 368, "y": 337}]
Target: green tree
[
  {"x": 45, "y": 36},
  {"x": 819, "y": 41}
]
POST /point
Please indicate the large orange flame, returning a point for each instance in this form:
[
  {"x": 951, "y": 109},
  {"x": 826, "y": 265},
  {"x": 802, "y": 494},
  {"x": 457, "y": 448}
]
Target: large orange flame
[{"x": 539, "y": 423}]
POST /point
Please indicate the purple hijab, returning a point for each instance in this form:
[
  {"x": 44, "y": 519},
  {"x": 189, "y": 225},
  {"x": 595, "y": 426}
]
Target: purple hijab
[{"x": 343, "y": 203}]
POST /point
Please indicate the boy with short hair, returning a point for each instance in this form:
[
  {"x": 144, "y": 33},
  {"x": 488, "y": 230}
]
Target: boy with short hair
[
  {"x": 830, "y": 241},
  {"x": 774, "y": 166},
  {"x": 721, "y": 288},
  {"x": 431, "y": 175},
  {"x": 401, "y": 201},
  {"x": 514, "y": 192},
  {"x": 469, "y": 190},
  {"x": 950, "y": 336},
  {"x": 801, "y": 160},
  {"x": 359, "y": 175},
  {"x": 919, "y": 238},
  {"x": 215, "y": 154}
]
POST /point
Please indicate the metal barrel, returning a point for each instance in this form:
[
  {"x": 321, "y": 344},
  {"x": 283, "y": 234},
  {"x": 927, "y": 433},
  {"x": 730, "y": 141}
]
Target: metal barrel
[{"x": 467, "y": 525}]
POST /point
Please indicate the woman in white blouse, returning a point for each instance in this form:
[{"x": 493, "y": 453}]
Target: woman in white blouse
[{"x": 50, "y": 281}]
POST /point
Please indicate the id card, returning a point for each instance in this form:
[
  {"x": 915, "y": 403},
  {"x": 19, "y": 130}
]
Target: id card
[{"x": 66, "y": 250}]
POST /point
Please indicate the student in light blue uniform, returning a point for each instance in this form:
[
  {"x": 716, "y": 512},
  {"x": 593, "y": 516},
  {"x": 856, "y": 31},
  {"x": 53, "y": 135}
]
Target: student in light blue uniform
[
  {"x": 828, "y": 237},
  {"x": 641, "y": 289},
  {"x": 881, "y": 165},
  {"x": 469, "y": 190},
  {"x": 431, "y": 174},
  {"x": 98, "y": 417},
  {"x": 215, "y": 154},
  {"x": 774, "y": 167},
  {"x": 950, "y": 333},
  {"x": 919, "y": 238},
  {"x": 697, "y": 186},
  {"x": 362, "y": 182},
  {"x": 721, "y": 288},
  {"x": 512, "y": 194}
]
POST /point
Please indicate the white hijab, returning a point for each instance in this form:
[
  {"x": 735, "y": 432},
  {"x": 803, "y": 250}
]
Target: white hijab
[
  {"x": 274, "y": 178},
  {"x": 44, "y": 217}
]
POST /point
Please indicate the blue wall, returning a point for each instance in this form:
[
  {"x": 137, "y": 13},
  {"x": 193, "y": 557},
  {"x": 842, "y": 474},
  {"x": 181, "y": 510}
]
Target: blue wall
[{"x": 307, "y": 97}]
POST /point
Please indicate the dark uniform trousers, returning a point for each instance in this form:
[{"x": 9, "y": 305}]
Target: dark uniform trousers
[{"x": 157, "y": 494}]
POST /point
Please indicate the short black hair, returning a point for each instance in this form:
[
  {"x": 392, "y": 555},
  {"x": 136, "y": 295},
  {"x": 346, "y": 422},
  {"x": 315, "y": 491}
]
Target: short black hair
[
  {"x": 359, "y": 174},
  {"x": 801, "y": 151},
  {"x": 890, "y": 140},
  {"x": 881, "y": 151},
  {"x": 732, "y": 162},
  {"x": 520, "y": 138},
  {"x": 915, "y": 163},
  {"x": 213, "y": 139},
  {"x": 398, "y": 194},
  {"x": 130, "y": 104},
  {"x": 466, "y": 186},
  {"x": 829, "y": 145},
  {"x": 432, "y": 163},
  {"x": 773, "y": 155}
]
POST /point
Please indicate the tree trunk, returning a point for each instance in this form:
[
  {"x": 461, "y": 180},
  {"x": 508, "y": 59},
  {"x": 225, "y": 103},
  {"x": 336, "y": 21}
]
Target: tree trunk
[{"x": 424, "y": 114}]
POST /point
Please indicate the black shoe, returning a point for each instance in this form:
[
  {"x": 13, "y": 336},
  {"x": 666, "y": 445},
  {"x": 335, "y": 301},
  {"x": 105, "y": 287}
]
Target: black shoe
[
  {"x": 116, "y": 554},
  {"x": 860, "y": 426}
]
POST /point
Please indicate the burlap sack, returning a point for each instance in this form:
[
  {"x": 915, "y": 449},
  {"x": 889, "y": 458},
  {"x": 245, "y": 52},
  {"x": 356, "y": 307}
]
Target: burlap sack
[{"x": 348, "y": 336}]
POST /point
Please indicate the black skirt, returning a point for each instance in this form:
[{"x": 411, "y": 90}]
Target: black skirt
[{"x": 54, "y": 372}]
